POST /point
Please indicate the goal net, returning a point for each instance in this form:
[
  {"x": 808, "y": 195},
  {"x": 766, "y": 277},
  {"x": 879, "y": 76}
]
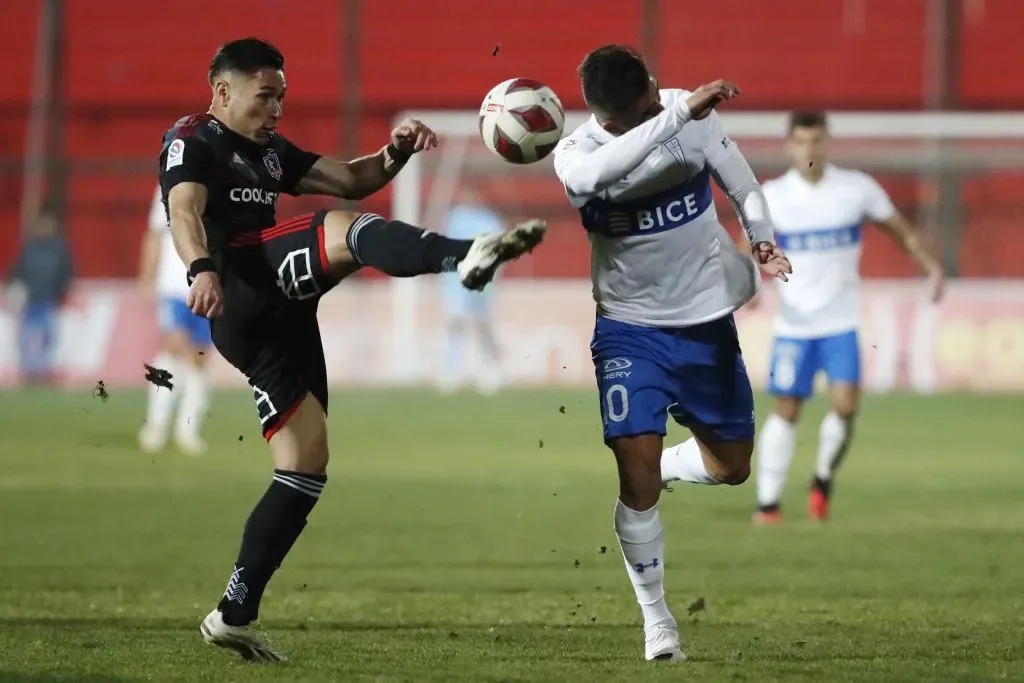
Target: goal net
[{"x": 955, "y": 174}]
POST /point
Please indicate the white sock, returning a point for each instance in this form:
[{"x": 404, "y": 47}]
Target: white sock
[
  {"x": 685, "y": 463},
  {"x": 195, "y": 398},
  {"x": 774, "y": 455},
  {"x": 643, "y": 547},
  {"x": 833, "y": 438},
  {"x": 161, "y": 399}
]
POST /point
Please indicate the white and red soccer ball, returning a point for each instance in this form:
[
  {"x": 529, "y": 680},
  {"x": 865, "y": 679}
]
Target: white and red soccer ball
[{"x": 521, "y": 120}]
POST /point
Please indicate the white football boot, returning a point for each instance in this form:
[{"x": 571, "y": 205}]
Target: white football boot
[
  {"x": 488, "y": 252},
  {"x": 241, "y": 639},
  {"x": 661, "y": 643},
  {"x": 190, "y": 443},
  {"x": 152, "y": 440}
]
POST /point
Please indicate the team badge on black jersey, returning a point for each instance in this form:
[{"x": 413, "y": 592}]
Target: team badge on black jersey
[{"x": 273, "y": 164}]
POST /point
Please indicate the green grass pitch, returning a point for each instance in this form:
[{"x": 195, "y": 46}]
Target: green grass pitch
[{"x": 469, "y": 539}]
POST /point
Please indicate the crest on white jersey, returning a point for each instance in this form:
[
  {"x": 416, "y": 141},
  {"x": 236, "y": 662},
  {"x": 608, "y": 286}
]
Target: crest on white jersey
[
  {"x": 273, "y": 164},
  {"x": 676, "y": 150},
  {"x": 175, "y": 154}
]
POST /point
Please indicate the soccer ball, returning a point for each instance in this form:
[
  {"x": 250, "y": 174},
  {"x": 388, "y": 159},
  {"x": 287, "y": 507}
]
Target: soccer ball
[{"x": 521, "y": 120}]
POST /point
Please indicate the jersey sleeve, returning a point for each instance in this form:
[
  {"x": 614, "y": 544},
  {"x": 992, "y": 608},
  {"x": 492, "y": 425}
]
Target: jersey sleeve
[
  {"x": 157, "y": 214},
  {"x": 295, "y": 164},
  {"x": 733, "y": 174},
  {"x": 187, "y": 160},
  {"x": 877, "y": 204},
  {"x": 586, "y": 170},
  {"x": 718, "y": 146}
]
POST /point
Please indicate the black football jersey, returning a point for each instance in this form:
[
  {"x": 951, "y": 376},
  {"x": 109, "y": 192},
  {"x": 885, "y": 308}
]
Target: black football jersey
[{"x": 243, "y": 178}]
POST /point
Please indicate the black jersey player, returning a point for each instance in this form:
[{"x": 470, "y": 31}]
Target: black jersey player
[{"x": 259, "y": 282}]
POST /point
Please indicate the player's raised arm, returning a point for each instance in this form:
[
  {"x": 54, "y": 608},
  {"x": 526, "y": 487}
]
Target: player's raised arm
[
  {"x": 625, "y": 100},
  {"x": 733, "y": 174},
  {"x": 586, "y": 170},
  {"x": 362, "y": 177}
]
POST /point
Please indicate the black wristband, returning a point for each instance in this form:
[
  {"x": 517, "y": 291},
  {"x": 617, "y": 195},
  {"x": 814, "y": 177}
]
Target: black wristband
[
  {"x": 397, "y": 155},
  {"x": 200, "y": 265}
]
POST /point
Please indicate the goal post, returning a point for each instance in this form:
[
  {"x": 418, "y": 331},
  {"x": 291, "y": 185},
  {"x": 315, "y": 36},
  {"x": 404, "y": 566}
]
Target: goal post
[{"x": 924, "y": 146}]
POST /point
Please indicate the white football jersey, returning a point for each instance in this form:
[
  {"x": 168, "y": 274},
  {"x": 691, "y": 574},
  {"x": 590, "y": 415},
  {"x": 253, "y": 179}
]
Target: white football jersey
[
  {"x": 171, "y": 282},
  {"x": 659, "y": 256},
  {"x": 820, "y": 226}
]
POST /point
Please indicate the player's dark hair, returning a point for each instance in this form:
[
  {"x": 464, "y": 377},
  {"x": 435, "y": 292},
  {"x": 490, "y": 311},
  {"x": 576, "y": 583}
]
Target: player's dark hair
[
  {"x": 614, "y": 77},
  {"x": 808, "y": 118},
  {"x": 246, "y": 56}
]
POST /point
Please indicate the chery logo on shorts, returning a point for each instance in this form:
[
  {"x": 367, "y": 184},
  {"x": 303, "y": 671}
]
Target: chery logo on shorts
[
  {"x": 615, "y": 368},
  {"x": 253, "y": 195}
]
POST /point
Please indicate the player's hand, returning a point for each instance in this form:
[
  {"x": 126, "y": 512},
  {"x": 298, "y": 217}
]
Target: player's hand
[
  {"x": 772, "y": 261},
  {"x": 704, "y": 99},
  {"x": 413, "y": 136},
  {"x": 937, "y": 286},
  {"x": 205, "y": 297}
]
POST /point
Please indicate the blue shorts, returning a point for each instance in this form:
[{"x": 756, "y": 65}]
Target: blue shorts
[
  {"x": 795, "y": 362},
  {"x": 695, "y": 374},
  {"x": 176, "y": 316}
]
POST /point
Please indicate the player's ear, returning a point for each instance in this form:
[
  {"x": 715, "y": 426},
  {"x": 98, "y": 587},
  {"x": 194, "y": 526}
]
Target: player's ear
[{"x": 221, "y": 92}]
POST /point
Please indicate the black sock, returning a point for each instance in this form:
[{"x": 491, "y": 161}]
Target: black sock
[
  {"x": 402, "y": 250},
  {"x": 822, "y": 485},
  {"x": 270, "y": 532}
]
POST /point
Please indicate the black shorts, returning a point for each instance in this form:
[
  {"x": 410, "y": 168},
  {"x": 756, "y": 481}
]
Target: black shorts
[{"x": 273, "y": 280}]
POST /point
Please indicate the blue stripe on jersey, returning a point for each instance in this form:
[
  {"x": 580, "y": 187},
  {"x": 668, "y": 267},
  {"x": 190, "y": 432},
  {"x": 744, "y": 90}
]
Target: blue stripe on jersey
[
  {"x": 820, "y": 240},
  {"x": 666, "y": 210}
]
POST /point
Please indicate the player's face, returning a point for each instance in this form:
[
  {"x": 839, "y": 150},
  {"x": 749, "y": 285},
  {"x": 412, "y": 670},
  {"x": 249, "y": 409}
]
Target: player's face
[
  {"x": 645, "y": 108},
  {"x": 254, "y": 103},
  {"x": 808, "y": 148}
]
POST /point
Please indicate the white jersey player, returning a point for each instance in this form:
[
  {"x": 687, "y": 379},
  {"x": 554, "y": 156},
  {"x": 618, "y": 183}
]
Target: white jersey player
[
  {"x": 185, "y": 343},
  {"x": 819, "y": 211},
  {"x": 666, "y": 280}
]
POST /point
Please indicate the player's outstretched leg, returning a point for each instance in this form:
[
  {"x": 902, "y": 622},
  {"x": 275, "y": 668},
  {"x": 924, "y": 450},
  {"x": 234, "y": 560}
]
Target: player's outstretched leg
[
  {"x": 775, "y": 448},
  {"x": 402, "y": 250},
  {"x": 300, "y": 458},
  {"x": 834, "y": 437}
]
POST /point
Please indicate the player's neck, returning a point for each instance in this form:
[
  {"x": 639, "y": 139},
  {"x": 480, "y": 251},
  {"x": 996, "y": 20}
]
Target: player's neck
[
  {"x": 812, "y": 175},
  {"x": 219, "y": 114}
]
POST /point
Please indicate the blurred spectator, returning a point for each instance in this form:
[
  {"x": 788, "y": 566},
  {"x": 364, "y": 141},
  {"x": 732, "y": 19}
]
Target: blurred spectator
[
  {"x": 40, "y": 280},
  {"x": 468, "y": 313}
]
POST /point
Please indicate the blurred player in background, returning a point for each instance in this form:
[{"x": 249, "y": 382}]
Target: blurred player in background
[
  {"x": 39, "y": 282},
  {"x": 184, "y": 343},
  {"x": 468, "y": 312},
  {"x": 666, "y": 280},
  {"x": 819, "y": 210}
]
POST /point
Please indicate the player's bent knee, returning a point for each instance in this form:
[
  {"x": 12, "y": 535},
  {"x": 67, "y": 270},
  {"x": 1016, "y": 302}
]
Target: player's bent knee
[
  {"x": 844, "y": 401},
  {"x": 300, "y": 444},
  {"x": 730, "y": 472},
  {"x": 176, "y": 343},
  {"x": 337, "y": 225},
  {"x": 788, "y": 408},
  {"x": 727, "y": 461}
]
